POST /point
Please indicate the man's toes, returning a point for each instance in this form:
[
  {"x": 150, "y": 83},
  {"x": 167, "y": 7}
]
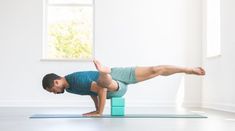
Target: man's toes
[{"x": 97, "y": 64}]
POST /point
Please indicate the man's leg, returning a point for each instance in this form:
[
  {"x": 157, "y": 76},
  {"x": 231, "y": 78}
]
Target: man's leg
[
  {"x": 145, "y": 73},
  {"x": 105, "y": 79}
]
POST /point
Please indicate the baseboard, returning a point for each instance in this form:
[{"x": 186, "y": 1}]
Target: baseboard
[
  {"x": 44, "y": 103},
  {"x": 149, "y": 103},
  {"x": 73, "y": 103},
  {"x": 219, "y": 106},
  {"x": 191, "y": 104}
]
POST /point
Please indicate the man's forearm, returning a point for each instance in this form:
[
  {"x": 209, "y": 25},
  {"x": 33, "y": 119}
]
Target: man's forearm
[
  {"x": 102, "y": 99},
  {"x": 96, "y": 102}
]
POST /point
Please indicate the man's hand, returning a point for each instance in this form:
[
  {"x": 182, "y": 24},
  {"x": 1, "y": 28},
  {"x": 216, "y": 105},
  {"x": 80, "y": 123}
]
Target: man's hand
[
  {"x": 93, "y": 113},
  {"x": 89, "y": 113},
  {"x": 102, "y": 92}
]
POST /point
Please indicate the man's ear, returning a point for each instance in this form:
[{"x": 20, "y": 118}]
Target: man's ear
[{"x": 56, "y": 82}]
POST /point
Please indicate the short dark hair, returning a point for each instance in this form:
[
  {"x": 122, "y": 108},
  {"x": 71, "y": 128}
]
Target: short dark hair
[{"x": 48, "y": 80}]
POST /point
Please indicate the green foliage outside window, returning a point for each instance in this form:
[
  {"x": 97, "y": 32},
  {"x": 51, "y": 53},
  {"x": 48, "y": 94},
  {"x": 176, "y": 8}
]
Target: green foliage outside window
[{"x": 67, "y": 42}]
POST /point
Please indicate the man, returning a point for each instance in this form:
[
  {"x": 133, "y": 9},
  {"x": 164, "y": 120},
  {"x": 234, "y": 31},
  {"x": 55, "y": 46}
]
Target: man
[{"x": 108, "y": 82}]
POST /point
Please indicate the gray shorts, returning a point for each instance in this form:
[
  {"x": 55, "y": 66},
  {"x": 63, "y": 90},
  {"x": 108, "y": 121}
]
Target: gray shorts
[{"x": 123, "y": 76}]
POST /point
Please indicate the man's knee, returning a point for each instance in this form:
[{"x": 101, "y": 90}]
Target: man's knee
[
  {"x": 104, "y": 80},
  {"x": 159, "y": 70}
]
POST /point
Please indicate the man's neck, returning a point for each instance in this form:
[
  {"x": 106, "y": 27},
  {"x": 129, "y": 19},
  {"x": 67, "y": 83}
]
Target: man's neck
[{"x": 66, "y": 84}]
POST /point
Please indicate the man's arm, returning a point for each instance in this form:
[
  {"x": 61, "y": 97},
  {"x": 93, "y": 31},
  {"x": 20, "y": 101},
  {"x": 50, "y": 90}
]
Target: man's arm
[
  {"x": 102, "y": 92},
  {"x": 99, "y": 102},
  {"x": 96, "y": 102}
]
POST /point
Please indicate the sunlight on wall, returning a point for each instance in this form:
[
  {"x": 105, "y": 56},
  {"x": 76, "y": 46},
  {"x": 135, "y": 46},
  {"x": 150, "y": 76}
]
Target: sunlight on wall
[{"x": 213, "y": 28}]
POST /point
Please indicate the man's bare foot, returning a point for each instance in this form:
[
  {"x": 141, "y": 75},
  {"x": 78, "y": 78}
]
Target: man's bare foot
[
  {"x": 100, "y": 68},
  {"x": 197, "y": 71}
]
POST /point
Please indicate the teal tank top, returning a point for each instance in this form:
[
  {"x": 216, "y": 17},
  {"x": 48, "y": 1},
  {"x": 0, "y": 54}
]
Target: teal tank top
[{"x": 80, "y": 82}]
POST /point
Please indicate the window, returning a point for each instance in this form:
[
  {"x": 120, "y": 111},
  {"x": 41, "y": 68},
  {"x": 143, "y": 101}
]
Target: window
[
  {"x": 213, "y": 28},
  {"x": 68, "y": 29}
]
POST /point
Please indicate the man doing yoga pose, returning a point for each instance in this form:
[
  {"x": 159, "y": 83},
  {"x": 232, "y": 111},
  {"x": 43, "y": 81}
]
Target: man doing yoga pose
[{"x": 108, "y": 82}]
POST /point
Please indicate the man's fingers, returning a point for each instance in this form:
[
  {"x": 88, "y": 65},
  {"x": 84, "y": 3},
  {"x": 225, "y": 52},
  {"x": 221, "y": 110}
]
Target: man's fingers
[
  {"x": 92, "y": 114},
  {"x": 89, "y": 113}
]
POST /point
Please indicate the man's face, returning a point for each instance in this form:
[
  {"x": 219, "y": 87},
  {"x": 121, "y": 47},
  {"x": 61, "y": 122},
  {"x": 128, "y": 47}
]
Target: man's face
[{"x": 58, "y": 87}]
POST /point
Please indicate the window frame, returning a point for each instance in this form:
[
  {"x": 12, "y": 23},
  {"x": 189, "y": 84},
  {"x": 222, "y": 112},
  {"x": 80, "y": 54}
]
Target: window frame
[{"x": 45, "y": 33}]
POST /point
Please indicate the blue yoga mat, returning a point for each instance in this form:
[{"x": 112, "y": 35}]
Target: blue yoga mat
[{"x": 45, "y": 116}]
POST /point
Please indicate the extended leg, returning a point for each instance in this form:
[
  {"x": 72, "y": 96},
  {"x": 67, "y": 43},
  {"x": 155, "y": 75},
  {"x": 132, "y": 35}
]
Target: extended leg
[{"x": 145, "y": 73}]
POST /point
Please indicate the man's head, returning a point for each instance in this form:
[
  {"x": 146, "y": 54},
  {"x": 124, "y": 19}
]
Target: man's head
[{"x": 53, "y": 83}]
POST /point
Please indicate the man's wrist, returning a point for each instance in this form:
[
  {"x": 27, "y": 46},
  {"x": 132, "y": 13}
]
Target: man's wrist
[{"x": 98, "y": 112}]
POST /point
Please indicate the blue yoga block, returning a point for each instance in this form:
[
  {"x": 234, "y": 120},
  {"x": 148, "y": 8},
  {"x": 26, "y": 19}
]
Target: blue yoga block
[
  {"x": 117, "y": 111},
  {"x": 117, "y": 101}
]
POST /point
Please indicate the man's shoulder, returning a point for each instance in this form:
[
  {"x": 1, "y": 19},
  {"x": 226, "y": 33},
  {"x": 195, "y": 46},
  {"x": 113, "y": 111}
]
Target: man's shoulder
[{"x": 82, "y": 73}]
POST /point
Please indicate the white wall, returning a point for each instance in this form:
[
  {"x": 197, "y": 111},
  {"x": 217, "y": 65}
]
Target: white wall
[
  {"x": 218, "y": 85},
  {"x": 128, "y": 33}
]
